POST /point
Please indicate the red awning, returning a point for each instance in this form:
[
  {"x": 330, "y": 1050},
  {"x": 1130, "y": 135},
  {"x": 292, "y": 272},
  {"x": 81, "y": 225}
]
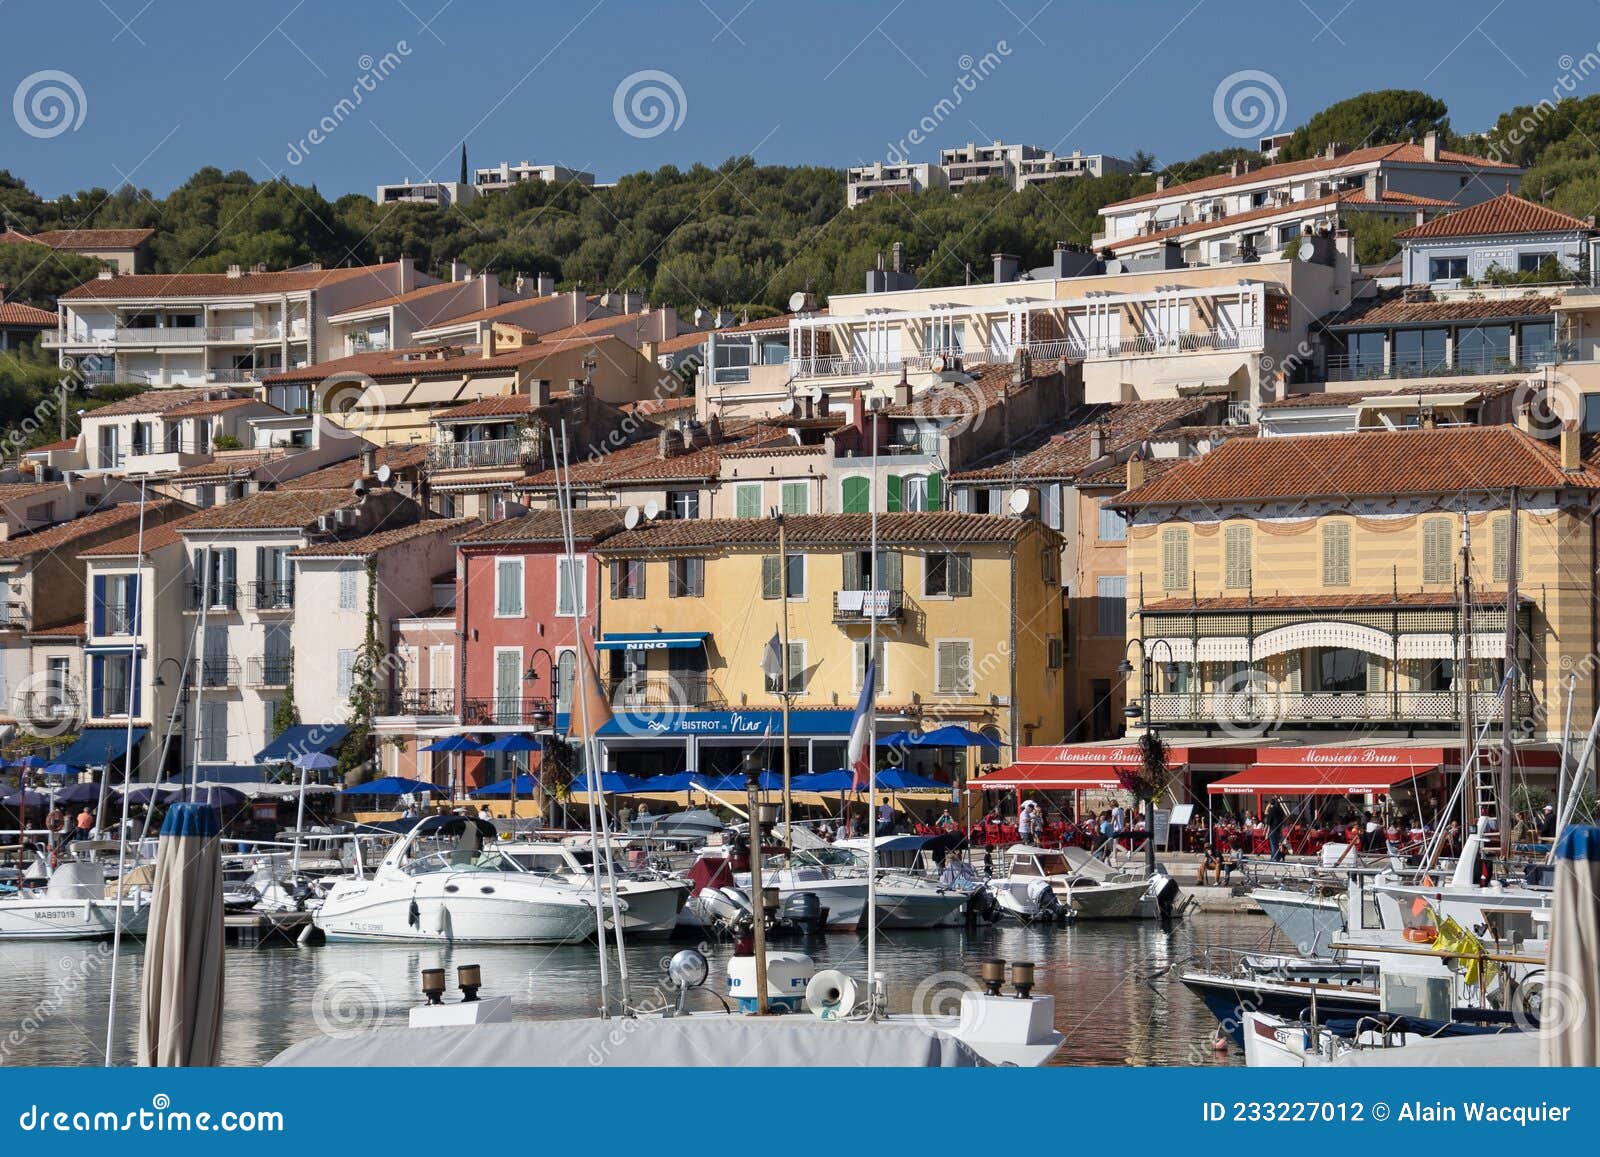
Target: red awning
[
  {"x": 1318, "y": 779},
  {"x": 1049, "y": 777}
]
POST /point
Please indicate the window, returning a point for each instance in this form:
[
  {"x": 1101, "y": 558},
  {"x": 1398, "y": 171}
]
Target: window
[
  {"x": 1236, "y": 565},
  {"x": 346, "y": 673},
  {"x": 913, "y": 492},
  {"x": 1339, "y": 670},
  {"x": 1420, "y": 351},
  {"x": 1056, "y": 653},
  {"x": 1484, "y": 347},
  {"x": 1049, "y": 566},
  {"x": 948, "y": 575},
  {"x": 1501, "y": 535},
  {"x": 1336, "y": 554},
  {"x": 797, "y": 670},
  {"x": 855, "y": 495},
  {"x": 794, "y": 585},
  {"x": 508, "y": 684},
  {"x": 1111, "y": 601},
  {"x": 1050, "y": 506},
  {"x": 1436, "y": 551},
  {"x": 747, "y": 500},
  {"x": 566, "y": 674},
  {"x": 1535, "y": 341},
  {"x": 731, "y": 363},
  {"x": 276, "y": 660},
  {"x": 570, "y": 585},
  {"x": 1174, "y": 558},
  {"x": 858, "y": 571},
  {"x": 116, "y": 690},
  {"x": 627, "y": 578},
  {"x": 1113, "y": 526},
  {"x": 214, "y": 730},
  {"x": 1447, "y": 268},
  {"x": 441, "y": 668},
  {"x": 860, "y": 666},
  {"x": 953, "y": 666},
  {"x": 686, "y": 578},
  {"x": 684, "y": 503},
  {"x": 507, "y": 588},
  {"x": 347, "y": 588},
  {"x": 1531, "y": 262},
  {"x": 118, "y": 610},
  {"x": 796, "y": 498}
]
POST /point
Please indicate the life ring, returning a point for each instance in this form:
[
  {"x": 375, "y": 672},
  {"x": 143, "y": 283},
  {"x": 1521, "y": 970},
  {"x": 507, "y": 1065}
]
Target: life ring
[{"x": 1421, "y": 935}]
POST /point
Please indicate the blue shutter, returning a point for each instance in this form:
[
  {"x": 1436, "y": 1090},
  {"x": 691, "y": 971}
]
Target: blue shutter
[
  {"x": 135, "y": 585},
  {"x": 133, "y": 690},
  {"x": 97, "y": 676},
  {"x": 99, "y": 604}
]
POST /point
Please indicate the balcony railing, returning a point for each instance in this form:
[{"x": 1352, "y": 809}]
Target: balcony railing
[
  {"x": 215, "y": 672},
  {"x": 1270, "y": 708},
  {"x": 663, "y": 689},
  {"x": 1344, "y": 368},
  {"x": 215, "y": 597},
  {"x": 488, "y": 453},
  {"x": 270, "y": 671},
  {"x": 57, "y": 705},
  {"x": 273, "y": 594},
  {"x": 497, "y": 709},
  {"x": 864, "y": 606},
  {"x": 424, "y": 701}
]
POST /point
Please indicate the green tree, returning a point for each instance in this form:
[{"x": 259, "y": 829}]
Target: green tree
[
  {"x": 366, "y": 691},
  {"x": 1372, "y": 118}
]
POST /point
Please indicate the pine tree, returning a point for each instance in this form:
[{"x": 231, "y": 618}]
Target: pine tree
[{"x": 463, "y": 162}]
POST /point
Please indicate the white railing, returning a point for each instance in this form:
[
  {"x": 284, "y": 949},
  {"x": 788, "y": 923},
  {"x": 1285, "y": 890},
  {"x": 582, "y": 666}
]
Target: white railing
[
  {"x": 1143, "y": 345},
  {"x": 1268, "y": 706},
  {"x": 487, "y": 453},
  {"x": 172, "y": 335}
]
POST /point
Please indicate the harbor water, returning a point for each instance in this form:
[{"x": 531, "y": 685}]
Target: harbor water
[{"x": 1118, "y": 999}]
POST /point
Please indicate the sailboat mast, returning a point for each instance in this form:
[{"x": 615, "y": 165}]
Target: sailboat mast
[
  {"x": 1508, "y": 703},
  {"x": 783, "y": 686},
  {"x": 1469, "y": 742},
  {"x": 872, "y": 741}
]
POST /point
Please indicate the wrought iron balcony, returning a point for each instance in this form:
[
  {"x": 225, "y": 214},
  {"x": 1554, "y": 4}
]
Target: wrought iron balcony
[
  {"x": 270, "y": 670},
  {"x": 212, "y": 597},
  {"x": 506, "y": 709},
  {"x": 214, "y": 672},
  {"x": 488, "y": 453},
  {"x": 656, "y": 690},
  {"x": 423, "y": 701},
  {"x": 864, "y": 606},
  {"x": 273, "y": 594}
]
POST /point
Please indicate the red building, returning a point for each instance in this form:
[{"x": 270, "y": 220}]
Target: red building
[{"x": 515, "y": 585}]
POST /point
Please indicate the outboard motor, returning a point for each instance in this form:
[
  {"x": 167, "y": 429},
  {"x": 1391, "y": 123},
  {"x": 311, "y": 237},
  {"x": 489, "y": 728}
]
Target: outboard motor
[
  {"x": 804, "y": 911},
  {"x": 981, "y": 905},
  {"x": 1165, "y": 890}
]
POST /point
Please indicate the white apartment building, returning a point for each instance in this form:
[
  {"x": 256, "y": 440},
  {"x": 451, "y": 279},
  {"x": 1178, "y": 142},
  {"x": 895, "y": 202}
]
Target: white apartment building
[
  {"x": 1022, "y": 165},
  {"x": 394, "y": 322},
  {"x": 879, "y": 179},
  {"x": 241, "y": 597},
  {"x": 435, "y": 193},
  {"x": 192, "y": 329},
  {"x": 1250, "y": 213},
  {"x": 505, "y": 174}
]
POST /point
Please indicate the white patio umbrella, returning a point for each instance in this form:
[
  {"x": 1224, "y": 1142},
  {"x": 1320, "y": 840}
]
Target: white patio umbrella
[
  {"x": 180, "y": 1015},
  {"x": 1569, "y": 1026}
]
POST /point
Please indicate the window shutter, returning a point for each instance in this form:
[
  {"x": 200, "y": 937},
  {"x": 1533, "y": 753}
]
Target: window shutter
[
  {"x": 959, "y": 575},
  {"x": 676, "y": 573},
  {"x": 797, "y": 667},
  {"x": 616, "y": 577},
  {"x": 856, "y": 493},
  {"x": 1174, "y": 559},
  {"x": 935, "y": 492},
  {"x": 1336, "y": 554},
  {"x": 1502, "y": 548},
  {"x": 892, "y": 570},
  {"x": 135, "y": 582},
  {"x": 133, "y": 687},
  {"x": 892, "y": 493},
  {"x": 747, "y": 502},
  {"x": 636, "y": 577},
  {"x": 230, "y": 568},
  {"x": 261, "y": 567},
  {"x": 1436, "y": 550},
  {"x": 851, "y": 576},
  {"x": 794, "y": 499},
  {"x": 97, "y": 687},
  {"x": 1374, "y": 676},
  {"x": 770, "y": 573},
  {"x": 1238, "y": 557},
  {"x": 99, "y": 606}
]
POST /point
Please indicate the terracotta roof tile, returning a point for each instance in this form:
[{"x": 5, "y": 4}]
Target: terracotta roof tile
[
  {"x": 203, "y": 407},
  {"x": 1062, "y": 450},
  {"x": 272, "y": 510},
  {"x": 94, "y": 238},
  {"x": 159, "y": 401},
  {"x": 490, "y": 406},
  {"x": 823, "y": 531},
  {"x": 18, "y": 491},
  {"x": 961, "y": 400},
  {"x": 342, "y": 475},
  {"x": 63, "y": 534},
  {"x": 375, "y": 543},
  {"x": 1350, "y": 197},
  {"x": 1507, "y": 213},
  {"x": 141, "y": 285},
  {"x": 1407, "y": 154},
  {"x": 589, "y": 524},
  {"x": 1393, "y": 309},
  {"x": 1379, "y": 464},
  {"x": 641, "y": 461},
  {"x": 154, "y": 539},
  {"x": 16, "y": 313},
  {"x": 232, "y": 465},
  {"x": 405, "y": 363},
  {"x": 73, "y": 630}
]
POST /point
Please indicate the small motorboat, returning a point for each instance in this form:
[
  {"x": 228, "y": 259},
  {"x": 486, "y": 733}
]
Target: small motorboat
[
  {"x": 73, "y": 905},
  {"x": 1040, "y": 882},
  {"x": 652, "y": 899}
]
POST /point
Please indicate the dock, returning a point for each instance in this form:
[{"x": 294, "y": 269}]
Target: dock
[{"x": 252, "y": 929}]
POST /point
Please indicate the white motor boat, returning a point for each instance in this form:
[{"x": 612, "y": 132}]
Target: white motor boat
[
  {"x": 1039, "y": 883},
  {"x": 73, "y": 905},
  {"x": 434, "y": 885},
  {"x": 652, "y": 901}
]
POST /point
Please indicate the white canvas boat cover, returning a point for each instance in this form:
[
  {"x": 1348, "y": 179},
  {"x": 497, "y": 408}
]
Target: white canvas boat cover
[
  {"x": 651, "y": 1042},
  {"x": 1508, "y": 1050}
]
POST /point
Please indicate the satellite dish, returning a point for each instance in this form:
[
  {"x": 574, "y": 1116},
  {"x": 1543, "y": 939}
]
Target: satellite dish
[
  {"x": 699, "y": 316},
  {"x": 787, "y": 407},
  {"x": 384, "y": 473},
  {"x": 797, "y": 301},
  {"x": 938, "y": 364},
  {"x": 630, "y": 517},
  {"x": 815, "y": 393},
  {"x": 652, "y": 510},
  {"x": 605, "y": 299},
  {"x": 1307, "y": 249},
  {"x": 831, "y": 994},
  {"x": 1019, "y": 501}
]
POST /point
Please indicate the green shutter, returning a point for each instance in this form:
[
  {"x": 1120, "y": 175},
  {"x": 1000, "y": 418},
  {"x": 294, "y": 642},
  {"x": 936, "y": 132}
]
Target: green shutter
[
  {"x": 1436, "y": 551},
  {"x": 794, "y": 498},
  {"x": 935, "y": 491},
  {"x": 850, "y": 575},
  {"x": 891, "y": 578},
  {"x": 1237, "y": 563},
  {"x": 747, "y": 502},
  {"x": 856, "y": 495},
  {"x": 892, "y": 493},
  {"x": 1174, "y": 559},
  {"x": 769, "y": 576}
]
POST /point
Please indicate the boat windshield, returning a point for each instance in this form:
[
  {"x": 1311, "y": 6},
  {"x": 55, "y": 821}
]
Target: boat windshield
[
  {"x": 1052, "y": 864},
  {"x": 829, "y": 858},
  {"x": 458, "y": 860}
]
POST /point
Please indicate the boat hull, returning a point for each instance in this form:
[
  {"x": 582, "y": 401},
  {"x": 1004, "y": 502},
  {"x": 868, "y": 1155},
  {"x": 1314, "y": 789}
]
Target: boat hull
[
  {"x": 1231, "y": 998},
  {"x": 431, "y": 914},
  {"x": 23, "y": 919}
]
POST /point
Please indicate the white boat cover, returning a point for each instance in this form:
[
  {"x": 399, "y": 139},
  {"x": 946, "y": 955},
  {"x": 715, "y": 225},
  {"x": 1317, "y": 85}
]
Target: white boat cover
[
  {"x": 1509, "y": 1050},
  {"x": 1570, "y": 1016},
  {"x": 651, "y": 1042}
]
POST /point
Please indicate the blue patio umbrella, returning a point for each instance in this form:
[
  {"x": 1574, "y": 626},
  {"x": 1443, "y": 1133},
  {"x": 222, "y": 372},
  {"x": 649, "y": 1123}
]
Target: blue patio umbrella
[
  {"x": 21, "y": 797},
  {"x": 216, "y": 796},
  {"x": 61, "y": 769},
  {"x": 950, "y": 735},
  {"x": 394, "y": 785},
  {"x": 78, "y": 793},
  {"x": 841, "y": 779},
  {"x": 455, "y": 743},
  {"x": 611, "y": 782},
  {"x": 152, "y": 795},
  {"x": 512, "y": 742},
  {"x": 29, "y": 761},
  {"x": 899, "y": 779},
  {"x": 523, "y": 784},
  {"x": 314, "y": 761}
]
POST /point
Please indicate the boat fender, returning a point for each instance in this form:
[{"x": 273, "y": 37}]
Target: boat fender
[
  {"x": 414, "y": 914},
  {"x": 441, "y": 923}
]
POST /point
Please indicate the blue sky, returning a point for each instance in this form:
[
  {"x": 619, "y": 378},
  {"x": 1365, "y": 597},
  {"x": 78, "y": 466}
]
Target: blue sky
[{"x": 170, "y": 85}]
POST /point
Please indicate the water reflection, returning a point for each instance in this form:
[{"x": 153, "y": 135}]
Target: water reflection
[{"x": 1117, "y": 996}]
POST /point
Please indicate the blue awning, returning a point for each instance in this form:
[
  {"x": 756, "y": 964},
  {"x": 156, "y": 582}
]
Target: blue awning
[
  {"x": 751, "y": 725},
  {"x": 650, "y": 640},
  {"x": 98, "y": 746},
  {"x": 301, "y": 739}
]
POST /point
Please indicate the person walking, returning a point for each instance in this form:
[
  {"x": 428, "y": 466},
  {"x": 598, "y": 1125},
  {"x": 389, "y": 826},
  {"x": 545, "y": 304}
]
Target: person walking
[
  {"x": 85, "y": 824},
  {"x": 1277, "y": 816},
  {"x": 1027, "y": 822}
]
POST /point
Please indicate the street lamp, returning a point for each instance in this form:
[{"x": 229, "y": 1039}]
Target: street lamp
[
  {"x": 531, "y": 675},
  {"x": 1142, "y": 707}
]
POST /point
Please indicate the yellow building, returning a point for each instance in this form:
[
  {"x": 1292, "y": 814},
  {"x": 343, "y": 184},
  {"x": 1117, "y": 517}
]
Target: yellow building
[
  {"x": 969, "y": 632},
  {"x": 1310, "y": 588}
]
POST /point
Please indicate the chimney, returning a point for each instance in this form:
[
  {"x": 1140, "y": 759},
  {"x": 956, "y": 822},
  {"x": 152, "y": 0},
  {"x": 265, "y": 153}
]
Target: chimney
[
  {"x": 1372, "y": 186},
  {"x": 668, "y": 444},
  {"x": 899, "y": 257},
  {"x": 491, "y": 342},
  {"x": 1430, "y": 146},
  {"x": 1236, "y": 169},
  {"x": 648, "y": 350},
  {"x": 1135, "y": 472},
  {"x": 902, "y": 390},
  {"x": 858, "y": 411},
  {"x": 235, "y": 271},
  {"x": 1571, "y": 462},
  {"x": 1161, "y": 182},
  {"x": 1331, "y": 150},
  {"x": 544, "y": 284},
  {"x": 369, "y": 460},
  {"x": 714, "y": 430},
  {"x": 407, "y": 270},
  {"x": 459, "y": 272},
  {"x": 489, "y": 291}
]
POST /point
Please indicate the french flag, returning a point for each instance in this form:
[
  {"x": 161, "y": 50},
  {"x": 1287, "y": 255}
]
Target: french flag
[{"x": 861, "y": 725}]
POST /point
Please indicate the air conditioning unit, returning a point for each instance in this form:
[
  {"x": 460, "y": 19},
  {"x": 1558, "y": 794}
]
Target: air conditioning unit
[
  {"x": 345, "y": 516},
  {"x": 324, "y": 524}
]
